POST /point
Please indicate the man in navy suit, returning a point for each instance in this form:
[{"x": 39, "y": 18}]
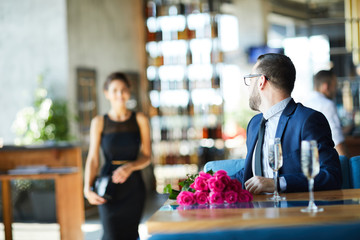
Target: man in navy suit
[{"x": 270, "y": 86}]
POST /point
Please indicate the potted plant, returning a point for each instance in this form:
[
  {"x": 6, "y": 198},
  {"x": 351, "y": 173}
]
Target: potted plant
[{"x": 45, "y": 122}]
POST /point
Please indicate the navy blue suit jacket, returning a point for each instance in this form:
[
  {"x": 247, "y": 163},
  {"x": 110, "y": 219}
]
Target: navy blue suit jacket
[{"x": 298, "y": 123}]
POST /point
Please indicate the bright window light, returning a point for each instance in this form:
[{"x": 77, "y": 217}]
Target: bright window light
[
  {"x": 174, "y": 98},
  {"x": 314, "y": 55},
  {"x": 229, "y": 35},
  {"x": 200, "y": 72}
]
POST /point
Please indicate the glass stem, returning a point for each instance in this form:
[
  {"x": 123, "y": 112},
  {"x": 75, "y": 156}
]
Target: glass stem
[
  {"x": 311, "y": 193},
  {"x": 276, "y": 183}
]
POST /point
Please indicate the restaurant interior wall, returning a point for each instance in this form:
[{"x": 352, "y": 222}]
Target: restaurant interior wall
[
  {"x": 55, "y": 39},
  {"x": 33, "y": 43}
]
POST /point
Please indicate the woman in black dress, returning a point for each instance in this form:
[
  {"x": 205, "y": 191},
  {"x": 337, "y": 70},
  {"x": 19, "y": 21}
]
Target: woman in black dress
[{"x": 124, "y": 137}]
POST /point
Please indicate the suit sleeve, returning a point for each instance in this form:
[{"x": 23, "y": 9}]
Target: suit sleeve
[
  {"x": 316, "y": 127},
  {"x": 240, "y": 175}
]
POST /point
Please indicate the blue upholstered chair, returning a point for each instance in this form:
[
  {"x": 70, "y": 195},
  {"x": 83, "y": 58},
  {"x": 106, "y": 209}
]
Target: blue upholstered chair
[
  {"x": 232, "y": 166},
  {"x": 355, "y": 172},
  {"x": 348, "y": 231},
  {"x": 345, "y": 170}
]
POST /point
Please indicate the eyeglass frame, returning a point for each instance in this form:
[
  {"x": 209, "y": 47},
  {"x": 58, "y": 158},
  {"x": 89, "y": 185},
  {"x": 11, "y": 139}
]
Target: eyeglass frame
[{"x": 252, "y": 76}]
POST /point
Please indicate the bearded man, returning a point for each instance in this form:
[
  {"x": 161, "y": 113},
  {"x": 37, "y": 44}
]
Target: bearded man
[{"x": 270, "y": 85}]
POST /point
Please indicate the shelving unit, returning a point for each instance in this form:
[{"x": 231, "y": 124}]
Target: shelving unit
[{"x": 185, "y": 61}]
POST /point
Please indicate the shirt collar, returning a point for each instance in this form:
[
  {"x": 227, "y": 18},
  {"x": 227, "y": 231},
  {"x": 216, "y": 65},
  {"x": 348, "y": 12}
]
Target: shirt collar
[{"x": 277, "y": 108}]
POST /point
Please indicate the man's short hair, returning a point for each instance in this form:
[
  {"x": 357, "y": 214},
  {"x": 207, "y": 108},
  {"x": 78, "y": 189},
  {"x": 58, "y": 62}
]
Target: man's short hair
[
  {"x": 323, "y": 76},
  {"x": 279, "y": 70}
]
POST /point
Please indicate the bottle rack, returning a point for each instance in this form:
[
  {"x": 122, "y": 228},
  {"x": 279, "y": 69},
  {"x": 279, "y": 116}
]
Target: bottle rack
[{"x": 184, "y": 66}]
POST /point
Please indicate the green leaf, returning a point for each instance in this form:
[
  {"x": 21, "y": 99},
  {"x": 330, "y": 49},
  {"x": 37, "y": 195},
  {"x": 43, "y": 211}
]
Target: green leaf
[
  {"x": 174, "y": 193},
  {"x": 168, "y": 189},
  {"x": 210, "y": 172}
]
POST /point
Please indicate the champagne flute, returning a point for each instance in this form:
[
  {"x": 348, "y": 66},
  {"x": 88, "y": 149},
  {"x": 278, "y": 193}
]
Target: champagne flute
[
  {"x": 310, "y": 167},
  {"x": 275, "y": 159}
]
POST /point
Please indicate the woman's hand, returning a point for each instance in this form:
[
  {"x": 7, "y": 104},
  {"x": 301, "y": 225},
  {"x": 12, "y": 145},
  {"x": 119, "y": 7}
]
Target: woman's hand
[
  {"x": 121, "y": 174},
  {"x": 94, "y": 199}
]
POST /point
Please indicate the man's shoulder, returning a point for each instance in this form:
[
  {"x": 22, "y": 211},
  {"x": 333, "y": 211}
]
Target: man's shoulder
[
  {"x": 256, "y": 119},
  {"x": 307, "y": 112}
]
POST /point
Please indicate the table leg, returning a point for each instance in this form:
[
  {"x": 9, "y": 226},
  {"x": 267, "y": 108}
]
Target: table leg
[
  {"x": 69, "y": 206},
  {"x": 7, "y": 208}
]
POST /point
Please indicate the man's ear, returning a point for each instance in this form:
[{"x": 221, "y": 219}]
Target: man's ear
[{"x": 262, "y": 82}]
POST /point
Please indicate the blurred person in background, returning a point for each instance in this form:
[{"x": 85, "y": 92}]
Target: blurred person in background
[
  {"x": 322, "y": 100},
  {"x": 124, "y": 137}
]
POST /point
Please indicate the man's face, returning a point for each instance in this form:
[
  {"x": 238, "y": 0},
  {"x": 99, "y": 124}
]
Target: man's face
[
  {"x": 331, "y": 93},
  {"x": 254, "y": 98}
]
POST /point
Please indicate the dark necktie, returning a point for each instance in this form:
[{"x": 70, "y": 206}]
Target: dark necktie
[{"x": 258, "y": 150}]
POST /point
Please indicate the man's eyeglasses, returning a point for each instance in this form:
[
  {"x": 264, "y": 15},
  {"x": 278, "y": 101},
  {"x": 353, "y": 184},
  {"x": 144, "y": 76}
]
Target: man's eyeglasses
[{"x": 248, "y": 77}]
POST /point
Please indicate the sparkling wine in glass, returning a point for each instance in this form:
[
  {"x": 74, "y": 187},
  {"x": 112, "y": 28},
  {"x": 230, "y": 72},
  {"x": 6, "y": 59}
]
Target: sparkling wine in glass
[
  {"x": 310, "y": 167},
  {"x": 275, "y": 159}
]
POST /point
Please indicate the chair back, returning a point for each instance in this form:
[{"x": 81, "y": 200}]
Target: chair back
[
  {"x": 231, "y": 166},
  {"x": 355, "y": 172},
  {"x": 345, "y": 170}
]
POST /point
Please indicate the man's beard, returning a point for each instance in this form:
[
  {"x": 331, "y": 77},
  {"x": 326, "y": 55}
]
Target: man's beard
[{"x": 255, "y": 100}]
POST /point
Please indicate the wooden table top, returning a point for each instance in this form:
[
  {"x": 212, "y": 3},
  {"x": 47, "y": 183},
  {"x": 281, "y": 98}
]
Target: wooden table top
[{"x": 342, "y": 206}]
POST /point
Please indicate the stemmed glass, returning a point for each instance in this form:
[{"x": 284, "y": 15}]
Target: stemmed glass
[
  {"x": 275, "y": 159},
  {"x": 310, "y": 167}
]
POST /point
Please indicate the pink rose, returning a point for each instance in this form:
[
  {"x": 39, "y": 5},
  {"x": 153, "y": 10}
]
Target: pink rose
[
  {"x": 216, "y": 185},
  {"x": 220, "y": 173},
  {"x": 245, "y": 196},
  {"x": 216, "y": 197},
  {"x": 185, "y": 198},
  {"x": 224, "y": 178},
  {"x": 200, "y": 184},
  {"x": 234, "y": 185},
  {"x": 201, "y": 197},
  {"x": 204, "y": 175},
  {"x": 231, "y": 196}
]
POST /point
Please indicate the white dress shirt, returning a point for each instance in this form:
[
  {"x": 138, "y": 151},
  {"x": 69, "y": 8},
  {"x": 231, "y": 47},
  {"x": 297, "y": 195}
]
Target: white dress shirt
[
  {"x": 272, "y": 116},
  {"x": 319, "y": 102}
]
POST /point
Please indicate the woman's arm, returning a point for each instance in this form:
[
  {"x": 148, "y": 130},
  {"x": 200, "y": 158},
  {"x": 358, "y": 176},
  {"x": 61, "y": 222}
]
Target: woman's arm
[
  {"x": 123, "y": 172},
  {"x": 92, "y": 161}
]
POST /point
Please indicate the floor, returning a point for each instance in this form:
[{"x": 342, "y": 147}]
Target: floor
[{"x": 91, "y": 228}]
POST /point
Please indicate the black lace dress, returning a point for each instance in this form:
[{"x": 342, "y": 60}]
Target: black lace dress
[{"x": 120, "y": 216}]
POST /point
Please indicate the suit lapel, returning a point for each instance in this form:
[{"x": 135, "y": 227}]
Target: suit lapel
[
  {"x": 284, "y": 118},
  {"x": 252, "y": 141}
]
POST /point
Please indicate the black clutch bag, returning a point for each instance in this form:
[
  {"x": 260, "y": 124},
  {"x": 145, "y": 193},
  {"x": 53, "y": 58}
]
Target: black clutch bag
[{"x": 102, "y": 187}]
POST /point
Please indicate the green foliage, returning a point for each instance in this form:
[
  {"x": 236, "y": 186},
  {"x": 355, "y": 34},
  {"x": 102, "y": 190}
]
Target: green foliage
[
  {"x": 173, "y": 193},
  {"x": 185, "y": 185},
  {"x": 46, "y": 120},
  {"x": 187, "y": 182}
]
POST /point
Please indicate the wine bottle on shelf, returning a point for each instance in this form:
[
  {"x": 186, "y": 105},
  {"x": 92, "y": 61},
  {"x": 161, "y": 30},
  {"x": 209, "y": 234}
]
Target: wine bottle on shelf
[
  {"x": 158, "y": 35},
  {"x": 214, "y": 27},
  {"x": 159, "y": 60},
  {"x": 190, "y": 106},
  {"x": 150, "y": 9},
  {"x": 182, "y": 8},
  {"x": 215, "y": 80},
  {"x": 189, "y": 56},
  {"x": 204, "y": 6},
  {"x": 151, "y": 36},
  {"x": 205, "y": 132},
  {"x": 218, "y": 133}
]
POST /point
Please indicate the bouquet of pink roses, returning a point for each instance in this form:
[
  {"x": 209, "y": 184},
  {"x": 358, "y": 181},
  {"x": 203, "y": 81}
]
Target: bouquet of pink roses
[{"x": 210, "y": 188}]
